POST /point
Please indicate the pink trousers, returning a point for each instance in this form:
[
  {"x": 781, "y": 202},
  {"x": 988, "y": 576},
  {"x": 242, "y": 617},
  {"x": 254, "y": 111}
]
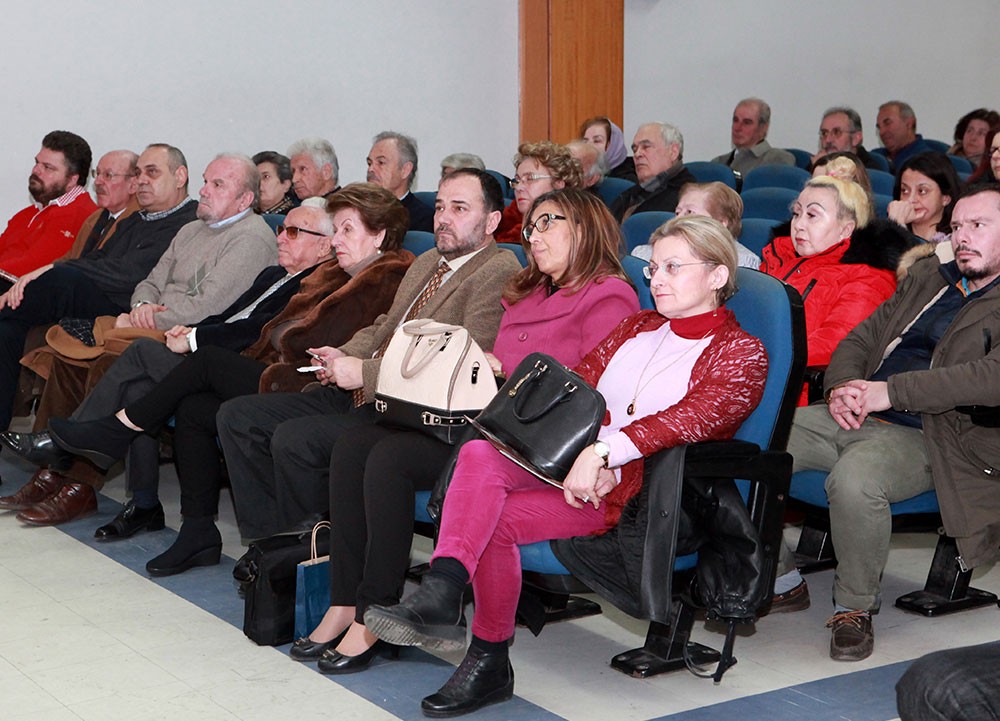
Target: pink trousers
[{"x": 492, "y": 506}]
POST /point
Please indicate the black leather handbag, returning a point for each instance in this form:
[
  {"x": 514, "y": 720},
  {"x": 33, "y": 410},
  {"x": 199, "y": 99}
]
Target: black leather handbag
[{"x": 543, "y": 417}]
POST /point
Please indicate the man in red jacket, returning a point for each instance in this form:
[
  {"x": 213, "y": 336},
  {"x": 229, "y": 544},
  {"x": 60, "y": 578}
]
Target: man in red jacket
[{"x": 46, "y": 229}]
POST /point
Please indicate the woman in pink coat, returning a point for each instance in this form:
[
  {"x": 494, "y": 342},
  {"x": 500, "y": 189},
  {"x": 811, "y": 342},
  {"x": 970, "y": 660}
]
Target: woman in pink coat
[{"x": 570, "y": 296}]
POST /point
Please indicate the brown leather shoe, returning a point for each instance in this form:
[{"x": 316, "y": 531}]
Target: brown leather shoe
[
  {"x": 44, "y": 484},
  {"x": 794, "y": 599},
  {"x": 73, "y": 501}
]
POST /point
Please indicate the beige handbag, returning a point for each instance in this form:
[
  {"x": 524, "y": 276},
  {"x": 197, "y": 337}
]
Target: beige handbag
[{"x": 432, "y": 375}]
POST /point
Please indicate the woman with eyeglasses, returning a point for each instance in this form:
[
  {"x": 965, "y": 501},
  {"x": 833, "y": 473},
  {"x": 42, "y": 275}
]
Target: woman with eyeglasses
[
  {"x": 539, "y": 168},
  {"x": 572, "y": 293},
  {"x": 363, "y": 226},
  {"x": 841, "y": 262},
  {"x": 683, "y": 373}
]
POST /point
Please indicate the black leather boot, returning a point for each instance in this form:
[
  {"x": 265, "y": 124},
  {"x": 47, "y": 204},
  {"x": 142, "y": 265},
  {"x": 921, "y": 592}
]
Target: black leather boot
[
  {"x": 432, "y": 617},
  {"x": 483, "y": 678}
]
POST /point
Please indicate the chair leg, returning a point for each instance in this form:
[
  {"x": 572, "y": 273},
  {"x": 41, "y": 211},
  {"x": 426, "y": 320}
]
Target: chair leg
[
  {"x": 664, "y": 649},
  {"x": 814, "y": 551},
  {"x": 947, "y": 588}
]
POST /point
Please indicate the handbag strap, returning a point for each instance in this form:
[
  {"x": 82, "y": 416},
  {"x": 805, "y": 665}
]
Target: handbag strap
[
  {"x": 312, "y": 546},
  {"x": 520, "y": 393},
  {"x": 409, "y": 371}
]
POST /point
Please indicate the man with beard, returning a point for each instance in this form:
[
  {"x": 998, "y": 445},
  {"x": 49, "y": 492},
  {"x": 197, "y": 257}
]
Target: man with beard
[
  {"x": 278, "y": 445},
  {"x": 45, "y": 230},
  {"x": 912, "y": 406}
]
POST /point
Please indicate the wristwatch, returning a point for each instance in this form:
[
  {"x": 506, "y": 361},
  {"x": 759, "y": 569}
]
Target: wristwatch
[{"x": 603, "y": 450}]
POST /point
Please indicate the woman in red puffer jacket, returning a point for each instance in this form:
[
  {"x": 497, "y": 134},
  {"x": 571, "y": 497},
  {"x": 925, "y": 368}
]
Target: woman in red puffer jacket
[{"x": 841, "y": 262}]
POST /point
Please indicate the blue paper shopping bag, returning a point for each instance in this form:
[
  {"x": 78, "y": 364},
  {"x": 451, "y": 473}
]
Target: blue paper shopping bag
[{"x": 312, "y": 588}]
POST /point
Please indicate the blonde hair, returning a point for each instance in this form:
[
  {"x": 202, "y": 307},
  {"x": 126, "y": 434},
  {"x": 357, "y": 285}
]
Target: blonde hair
[
  {"x": 709, "y": 240},
  {"x": 852, "y": 200}
]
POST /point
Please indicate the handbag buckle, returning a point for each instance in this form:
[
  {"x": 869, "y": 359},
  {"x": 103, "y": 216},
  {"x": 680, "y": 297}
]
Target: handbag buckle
[
  {"x": 380, "y": 405},
  {"x": 433, "y": 419}
]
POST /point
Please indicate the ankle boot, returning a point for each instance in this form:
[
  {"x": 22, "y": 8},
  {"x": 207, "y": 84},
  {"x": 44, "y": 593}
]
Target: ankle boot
[
  {"x": 102, "y": 442},
  {"x": 483, "y": 678},
  {"x": 431, "y": 617}
]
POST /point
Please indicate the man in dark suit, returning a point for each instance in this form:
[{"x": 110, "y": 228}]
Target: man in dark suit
[
  {"x": 658, "y": 149},
  {"x": 145, "y": 363},
  {"x": 278, "y": 445},
  {"x": 392, "y": 163}
]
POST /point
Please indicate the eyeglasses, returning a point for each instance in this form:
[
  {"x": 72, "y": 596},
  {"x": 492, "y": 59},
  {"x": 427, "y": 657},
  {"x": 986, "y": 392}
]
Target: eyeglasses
[
  {"x": 292, "y": 231},
  {"x": 994, "y": 151},
  {"x": 670, "y": 268},
  {"x": 833, "y": 133},
  {"x": 542, "y": 223},
  {"x": 529, "y": 178},
  {"x": 108, "y": 175}
]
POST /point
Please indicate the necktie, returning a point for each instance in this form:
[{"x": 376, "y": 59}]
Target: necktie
[{"x": 358, "y": 395}]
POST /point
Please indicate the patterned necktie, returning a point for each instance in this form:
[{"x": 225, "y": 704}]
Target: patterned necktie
[{"x": 358, "y": 395}]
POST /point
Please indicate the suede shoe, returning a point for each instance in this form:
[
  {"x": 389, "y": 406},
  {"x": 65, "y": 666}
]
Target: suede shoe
[
  {"x": 73, "y": 501},
  {"x": 102, "y": 442},
  {"x": 481, "y": 679},
  {"x": 794, "y": 599},
  {"x": 37, "y": 448},
  {"x": 852, "y": 637},
  {"x": 44, "y": 484},
  {"x": 130, "y": 520},
  {"x": 198, "y": 543},
  {"x": 431, "y": 617}
]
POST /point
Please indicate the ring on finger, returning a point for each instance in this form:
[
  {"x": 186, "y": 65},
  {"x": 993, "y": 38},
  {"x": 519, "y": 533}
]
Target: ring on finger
[{"x": 585, "y": 499}]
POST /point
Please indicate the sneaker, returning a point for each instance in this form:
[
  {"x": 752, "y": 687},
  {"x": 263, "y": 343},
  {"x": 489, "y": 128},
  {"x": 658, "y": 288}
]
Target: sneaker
[
  {"x": 794, "y": 599},
  {"x": 852, "y": 637}
]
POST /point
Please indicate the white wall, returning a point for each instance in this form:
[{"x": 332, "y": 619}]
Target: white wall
[
  {"x": 249, "y": 75},
  {"x": 688, "y": 61},
  {"x": 253, "y": 74}
]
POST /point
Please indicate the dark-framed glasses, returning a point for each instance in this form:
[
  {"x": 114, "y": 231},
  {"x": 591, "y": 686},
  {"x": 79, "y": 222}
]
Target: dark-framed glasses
[
  {"x": 292, "y": 231},
  {"x": 542, "y": 223}
]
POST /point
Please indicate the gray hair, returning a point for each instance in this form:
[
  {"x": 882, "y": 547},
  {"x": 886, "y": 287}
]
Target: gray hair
[
  {"x": 326, "y": 220},
  {"x": 763, "y": 109},
  {"x": 853, "y": 119},
  {"x": 597, "y": 169},
  {"x": 407, "y": 148},
  {"x": 463, "y": 160},
  {"x": 321, "y": 151},
  {"x": 905, "y": 110},
  {"x": 671, "y": 136},
  {"x": 251, "y": 176}
]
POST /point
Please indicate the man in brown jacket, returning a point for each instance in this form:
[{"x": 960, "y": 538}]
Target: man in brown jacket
[
  {"x": 278, "y": 446},
  {"x": 909, "y": 395}
]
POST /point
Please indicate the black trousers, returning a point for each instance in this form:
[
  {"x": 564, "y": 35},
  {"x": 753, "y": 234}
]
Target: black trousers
[
  {"x": 374, "y": 472},
  {"x": 59, "y": 293},
  {"x": 192, "y": 392},
  {"x": 277, "y": 448}
]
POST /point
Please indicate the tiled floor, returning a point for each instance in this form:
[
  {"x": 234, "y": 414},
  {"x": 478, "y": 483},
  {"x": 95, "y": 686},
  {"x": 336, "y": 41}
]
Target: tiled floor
[{"x": 85, "y": 634}]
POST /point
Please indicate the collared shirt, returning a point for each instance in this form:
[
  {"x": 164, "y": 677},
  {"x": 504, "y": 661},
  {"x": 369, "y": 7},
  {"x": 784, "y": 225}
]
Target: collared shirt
[
  {"x": 160, "y": 214},
  {"x": 231, "y": 219},
  {"x": 63, "y": 200},
  {"x": 454, "y": 265}
]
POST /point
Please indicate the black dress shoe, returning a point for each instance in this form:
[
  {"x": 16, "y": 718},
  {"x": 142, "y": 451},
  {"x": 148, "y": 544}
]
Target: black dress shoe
[
  {"x": 37, "y": 448},
  {"x": 481, "y": 679},
  {"x": 130, "y": 520},
  {"x": 198, "y": 544},
  {"x": 333, "y": 663},
  {"x": 432, "y": 617},
  {"x": 305, "y": 649},
  {"x": 102, "y": 442}
]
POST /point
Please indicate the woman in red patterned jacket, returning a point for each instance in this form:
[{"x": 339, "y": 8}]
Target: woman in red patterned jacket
[{"x": 683, "y": 373}]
